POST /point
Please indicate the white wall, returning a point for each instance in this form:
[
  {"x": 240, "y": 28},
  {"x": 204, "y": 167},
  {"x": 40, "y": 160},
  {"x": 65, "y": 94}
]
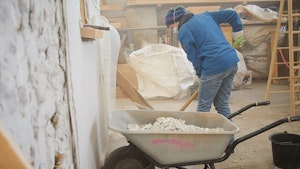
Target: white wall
[{"x": 93, "y": 65}]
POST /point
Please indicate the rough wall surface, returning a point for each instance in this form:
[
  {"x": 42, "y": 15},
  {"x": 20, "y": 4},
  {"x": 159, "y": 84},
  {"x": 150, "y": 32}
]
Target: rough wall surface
[{"x": 34, "y": 96}]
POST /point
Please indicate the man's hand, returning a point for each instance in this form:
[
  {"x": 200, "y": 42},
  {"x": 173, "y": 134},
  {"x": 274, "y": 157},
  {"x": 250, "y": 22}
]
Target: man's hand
[
  {"x": 239, "y": 42},
  {"x": 238, "y": 39}
]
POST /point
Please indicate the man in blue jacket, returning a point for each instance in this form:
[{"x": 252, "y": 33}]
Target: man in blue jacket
[{"x": 213, "y": 58}]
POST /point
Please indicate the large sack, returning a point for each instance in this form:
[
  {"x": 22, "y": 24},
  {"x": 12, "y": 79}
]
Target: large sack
[
  {"x": 253, "y": 14},
  {"x": 162, "y": 71}
]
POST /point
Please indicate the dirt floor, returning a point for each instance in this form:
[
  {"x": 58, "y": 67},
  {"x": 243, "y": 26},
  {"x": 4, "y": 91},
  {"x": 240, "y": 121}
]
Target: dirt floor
[{"x": 255, "y": 152}]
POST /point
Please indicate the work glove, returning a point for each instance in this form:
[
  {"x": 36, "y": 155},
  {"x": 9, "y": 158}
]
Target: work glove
[{"x": 238, "y": 39}]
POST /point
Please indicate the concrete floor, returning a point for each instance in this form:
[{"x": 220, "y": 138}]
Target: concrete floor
[{"x": 255, "y": 152}]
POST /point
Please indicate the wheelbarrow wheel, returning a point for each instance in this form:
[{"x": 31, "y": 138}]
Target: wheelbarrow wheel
[{"x": 127, "y": 157}]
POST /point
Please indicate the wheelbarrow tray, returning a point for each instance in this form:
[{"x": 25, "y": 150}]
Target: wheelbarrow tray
[{"x": 176, "y": 146}]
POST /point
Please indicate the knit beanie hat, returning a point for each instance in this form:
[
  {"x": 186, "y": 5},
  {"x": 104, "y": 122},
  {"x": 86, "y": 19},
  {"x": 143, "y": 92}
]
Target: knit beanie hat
[{"x": 174, "y": 15}]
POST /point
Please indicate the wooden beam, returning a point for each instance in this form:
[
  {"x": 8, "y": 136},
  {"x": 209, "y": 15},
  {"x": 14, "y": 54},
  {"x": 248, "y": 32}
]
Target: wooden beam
[
  {"x": 111, "y": 7},
  {"x": 160, "y": 2},
  {"x": 82, "y": 12},
  {"x": 201, "y": 9},
  {"x": 11, "y": 156},
  {"x": 90, "y": 33}
]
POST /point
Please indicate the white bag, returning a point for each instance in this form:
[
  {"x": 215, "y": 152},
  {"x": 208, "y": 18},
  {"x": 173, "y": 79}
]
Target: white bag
[
  {"x": 162, "y": 71},
  {"x": 238, "y": 80}
]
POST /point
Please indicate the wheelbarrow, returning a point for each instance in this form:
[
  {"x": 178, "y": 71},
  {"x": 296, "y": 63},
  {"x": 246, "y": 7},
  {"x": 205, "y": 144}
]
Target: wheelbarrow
[{"x": 150, "y": 149}]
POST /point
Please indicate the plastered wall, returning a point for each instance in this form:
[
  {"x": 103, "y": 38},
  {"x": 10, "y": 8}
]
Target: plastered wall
[
  {"x": 33, "y": 83},
  {"x": 55, "y": 90}
]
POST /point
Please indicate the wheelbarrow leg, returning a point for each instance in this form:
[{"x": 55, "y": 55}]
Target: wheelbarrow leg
[{"x": 209, "y": 166}]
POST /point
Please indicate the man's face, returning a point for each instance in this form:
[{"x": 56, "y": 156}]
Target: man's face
[{"x": 174, "y": 25}]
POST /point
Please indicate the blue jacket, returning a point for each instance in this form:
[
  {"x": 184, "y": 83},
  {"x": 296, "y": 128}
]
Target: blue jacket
[{"x": 205, "y": 44}]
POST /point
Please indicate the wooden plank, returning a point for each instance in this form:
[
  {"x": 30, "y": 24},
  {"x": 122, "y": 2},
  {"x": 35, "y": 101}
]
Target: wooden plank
[
  {"x": 188, "y": 102},
  {"x": 90, "y": 33},
  {"x": 11, "y": 156},
  {"x": 111, "y": 7},
  {"x": 121, "y": 20},
  {"x": 201, "y": 9},
  {"x": 121, "y": 57},
  {"x": 82, "y": 12},
  {"x": 292, "y": 71},
  {"x": 131, "y": 92},
  {"x": 117, "y": 25},
  {"x": 275, "y": 67},
  {"x": 130, "y": 75}
]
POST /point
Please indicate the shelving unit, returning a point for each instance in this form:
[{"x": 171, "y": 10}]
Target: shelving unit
[{"x": 135, "y": 16}]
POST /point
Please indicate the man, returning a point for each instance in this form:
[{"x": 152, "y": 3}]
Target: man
[{"x": 213, "y": 58}]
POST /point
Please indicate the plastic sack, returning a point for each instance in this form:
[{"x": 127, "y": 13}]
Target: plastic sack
[
  {"x": 256, "y": 13},
  {"x": 162, "y": 71},
  {"x": 255, "y": 35},
  {"x": 238, "y": 80}
]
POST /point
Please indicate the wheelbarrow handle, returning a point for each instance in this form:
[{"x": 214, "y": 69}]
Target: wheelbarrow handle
[
  {"x": 262, "y": 103},
  {"x": 294, "y": 118},
  {"x": 261, "y": 130}
]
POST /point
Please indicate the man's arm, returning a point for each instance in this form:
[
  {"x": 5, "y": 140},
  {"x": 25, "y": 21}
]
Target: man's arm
[
  {"x": 188, "y": 44},
  {"x": 228, "y": 16},
  {"x": 231, "y": 17}
]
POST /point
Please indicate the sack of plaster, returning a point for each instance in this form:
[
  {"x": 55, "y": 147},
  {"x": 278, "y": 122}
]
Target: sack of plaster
[
  {"x": 162, "y": 71},
  {"x": 253, "y": 14}
]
